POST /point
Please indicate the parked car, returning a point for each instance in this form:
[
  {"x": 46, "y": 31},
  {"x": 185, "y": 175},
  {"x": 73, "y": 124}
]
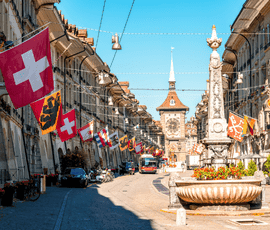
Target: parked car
[{"x": 74, "y": 177}]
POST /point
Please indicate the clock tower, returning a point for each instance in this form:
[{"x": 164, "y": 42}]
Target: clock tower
[{"x": 172, "y": 117}]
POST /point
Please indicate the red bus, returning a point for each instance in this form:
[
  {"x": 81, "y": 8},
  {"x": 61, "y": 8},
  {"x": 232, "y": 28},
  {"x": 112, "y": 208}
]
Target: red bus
[{"x": 147, "y": 164}]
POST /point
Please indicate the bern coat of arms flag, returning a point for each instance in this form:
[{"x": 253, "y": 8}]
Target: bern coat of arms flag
[
  {"x": 235, "y": 127},
  {"x": 87, "y": 132},
  {"x": 69, "y": 129},
  {"x": 27, "y": 70},
  {"x": 48, "y": 112},
  {"x": 131, "y": 144},
  {"x": 123, "y": 143}
]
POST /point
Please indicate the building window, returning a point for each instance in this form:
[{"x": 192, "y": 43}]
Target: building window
[{"x": 172, "y": 102}]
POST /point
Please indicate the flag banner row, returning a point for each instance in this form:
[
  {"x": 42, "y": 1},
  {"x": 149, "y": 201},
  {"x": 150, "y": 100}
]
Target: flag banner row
[
  {"x": 238, "y": 127},
  {"x": 28, "y": 75}
]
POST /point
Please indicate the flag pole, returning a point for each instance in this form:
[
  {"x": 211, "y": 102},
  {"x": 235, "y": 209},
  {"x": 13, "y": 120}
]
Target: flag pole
[
  {"x": 26, "y": 35},
  {"x": 242, "y": 116},
  {"x": 250, "y": 117}
]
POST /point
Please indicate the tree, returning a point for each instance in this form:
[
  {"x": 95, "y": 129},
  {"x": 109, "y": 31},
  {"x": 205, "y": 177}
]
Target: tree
[
  {"x": 266, "y": 165},
  {"x": 252, "y": 168},
  {"x": 75, "y": 159}
]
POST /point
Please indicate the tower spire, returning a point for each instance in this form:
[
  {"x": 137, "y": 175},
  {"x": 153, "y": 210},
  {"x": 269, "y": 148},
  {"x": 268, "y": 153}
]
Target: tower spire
[{"x": 172, "y": 78}]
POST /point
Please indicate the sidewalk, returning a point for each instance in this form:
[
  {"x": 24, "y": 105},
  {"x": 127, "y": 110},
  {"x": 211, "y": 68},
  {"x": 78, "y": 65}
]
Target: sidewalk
[{"x": 166, "y": 176}]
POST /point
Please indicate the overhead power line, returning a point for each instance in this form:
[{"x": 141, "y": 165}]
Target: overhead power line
[
  {"x": 100, "y": 22},
  {"x": 123, "y": 31}
]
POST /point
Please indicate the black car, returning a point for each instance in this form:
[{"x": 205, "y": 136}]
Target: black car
[{"x": 74, "y": 177}]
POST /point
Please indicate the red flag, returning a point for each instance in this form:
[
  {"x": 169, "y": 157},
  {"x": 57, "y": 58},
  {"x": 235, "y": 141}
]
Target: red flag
[
  {"x": 235, "y": 127},
  {"x": 69, "y": 129},
  {"x": 48, "y": 112},
  {"x": 27, "y": 70},
  {"x": 87, "y": 132}
]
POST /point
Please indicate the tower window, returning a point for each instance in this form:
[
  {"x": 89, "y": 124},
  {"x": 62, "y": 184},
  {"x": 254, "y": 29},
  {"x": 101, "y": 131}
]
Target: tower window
[{"x": 172, "y": 102}]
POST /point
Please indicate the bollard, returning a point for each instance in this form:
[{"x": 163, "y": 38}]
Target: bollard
[
  {"x": 181, "y": 217},
  {"x": 174, "y": 202},
  {"x": 43, "y": 184}
]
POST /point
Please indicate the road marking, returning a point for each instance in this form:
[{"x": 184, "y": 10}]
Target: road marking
[
  {"x": 61, "y": 213},
  {"x": 90, "y": 185}
]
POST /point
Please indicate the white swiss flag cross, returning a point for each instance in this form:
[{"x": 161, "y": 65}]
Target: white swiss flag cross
[
  {"x": 27, "y": 70},
  {"x": 69, "y": 129}
]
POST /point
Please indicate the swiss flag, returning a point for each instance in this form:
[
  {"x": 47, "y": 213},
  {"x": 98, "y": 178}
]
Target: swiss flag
[
  {"x": 27, "y": 70},
  {"x": 69, "y": 129}
]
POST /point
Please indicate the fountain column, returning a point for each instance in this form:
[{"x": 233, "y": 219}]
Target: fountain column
[{"x": 216, "y": 141}]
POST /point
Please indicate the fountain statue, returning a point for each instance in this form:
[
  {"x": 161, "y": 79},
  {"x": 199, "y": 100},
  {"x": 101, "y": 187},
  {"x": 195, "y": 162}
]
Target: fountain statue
[{"x": 216, "y": 141}]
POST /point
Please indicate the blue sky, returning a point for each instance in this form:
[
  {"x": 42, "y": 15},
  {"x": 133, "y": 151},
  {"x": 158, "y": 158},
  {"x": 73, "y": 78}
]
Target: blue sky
[{"x": 151, "y": 53}]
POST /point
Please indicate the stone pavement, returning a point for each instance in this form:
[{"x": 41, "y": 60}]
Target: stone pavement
[{"x": 129, "y": 202}]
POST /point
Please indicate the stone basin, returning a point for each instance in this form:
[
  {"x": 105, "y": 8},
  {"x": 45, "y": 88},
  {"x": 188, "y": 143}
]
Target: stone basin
[{"x": 218, "y": 191}]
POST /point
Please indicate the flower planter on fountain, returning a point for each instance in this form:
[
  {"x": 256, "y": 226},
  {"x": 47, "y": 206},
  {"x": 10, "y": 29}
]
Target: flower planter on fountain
[
  {"x": 214, "y": 191},
  {"x": 218, "y": 192}
]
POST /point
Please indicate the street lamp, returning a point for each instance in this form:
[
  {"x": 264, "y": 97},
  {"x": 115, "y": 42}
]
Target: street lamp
[
  {"x": 115, "y": 40},
  {"x": 110, "y": 101},
  {"x": 116, "y": 111},
  {"x": 240, "y": 78}
]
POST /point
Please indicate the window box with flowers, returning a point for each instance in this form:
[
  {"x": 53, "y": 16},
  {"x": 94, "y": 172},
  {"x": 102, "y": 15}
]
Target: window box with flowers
[
  {"x": 51, "y": 179},
  {"x": 7, "y": 199}
]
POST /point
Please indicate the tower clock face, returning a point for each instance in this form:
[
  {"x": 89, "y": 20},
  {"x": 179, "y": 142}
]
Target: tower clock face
[{"x": 172, "y": 126}]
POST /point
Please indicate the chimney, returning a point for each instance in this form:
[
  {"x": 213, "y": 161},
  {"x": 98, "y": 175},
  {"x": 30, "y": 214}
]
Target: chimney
[
  {"x": 82, "y": 33},
  {"x": 90, "y": 41}
]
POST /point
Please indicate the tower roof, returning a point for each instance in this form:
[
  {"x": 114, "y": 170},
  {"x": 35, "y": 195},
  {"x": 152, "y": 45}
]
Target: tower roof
[
  {"x": 172, "y": 78},
  {"x": 168, "y": 104}
]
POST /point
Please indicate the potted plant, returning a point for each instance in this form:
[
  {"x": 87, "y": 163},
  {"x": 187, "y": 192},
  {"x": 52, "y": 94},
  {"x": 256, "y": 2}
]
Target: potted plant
[
  {"x": 52, "y": 179},
  {"x": 7, "y": 199}
]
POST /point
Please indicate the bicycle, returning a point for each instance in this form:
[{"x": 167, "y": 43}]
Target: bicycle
[{"x": 32, "y": 192}]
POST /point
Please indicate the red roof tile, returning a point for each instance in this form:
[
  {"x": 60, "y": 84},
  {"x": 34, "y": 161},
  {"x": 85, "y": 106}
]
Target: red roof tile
[{"x": 178, "y": 104}]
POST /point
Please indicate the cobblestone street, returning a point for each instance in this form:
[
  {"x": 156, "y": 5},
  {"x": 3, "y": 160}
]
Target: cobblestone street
[{"x": 129, "y": 202}]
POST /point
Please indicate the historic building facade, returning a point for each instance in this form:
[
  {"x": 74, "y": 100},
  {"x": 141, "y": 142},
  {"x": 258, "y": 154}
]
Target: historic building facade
[
  {"x": 246, "y": 68},
  {"x": 86, "y": 85},
  {"x": 191, "y": 134},
  {"x": 172, "y": 118}
]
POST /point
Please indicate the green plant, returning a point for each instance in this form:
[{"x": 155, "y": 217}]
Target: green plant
[
  {"x": 242, "y": 169},
  {"x": 266, "y": 166},
  {"x": 252, "y": 168}
]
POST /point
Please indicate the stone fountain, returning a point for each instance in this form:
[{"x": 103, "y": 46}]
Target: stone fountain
[
  {"x": 226, "y": 195},
  {"x": 216, "y": 142}
]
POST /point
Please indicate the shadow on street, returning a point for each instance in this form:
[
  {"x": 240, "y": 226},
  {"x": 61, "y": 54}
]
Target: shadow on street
[{"x": 84, "y": 209}]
